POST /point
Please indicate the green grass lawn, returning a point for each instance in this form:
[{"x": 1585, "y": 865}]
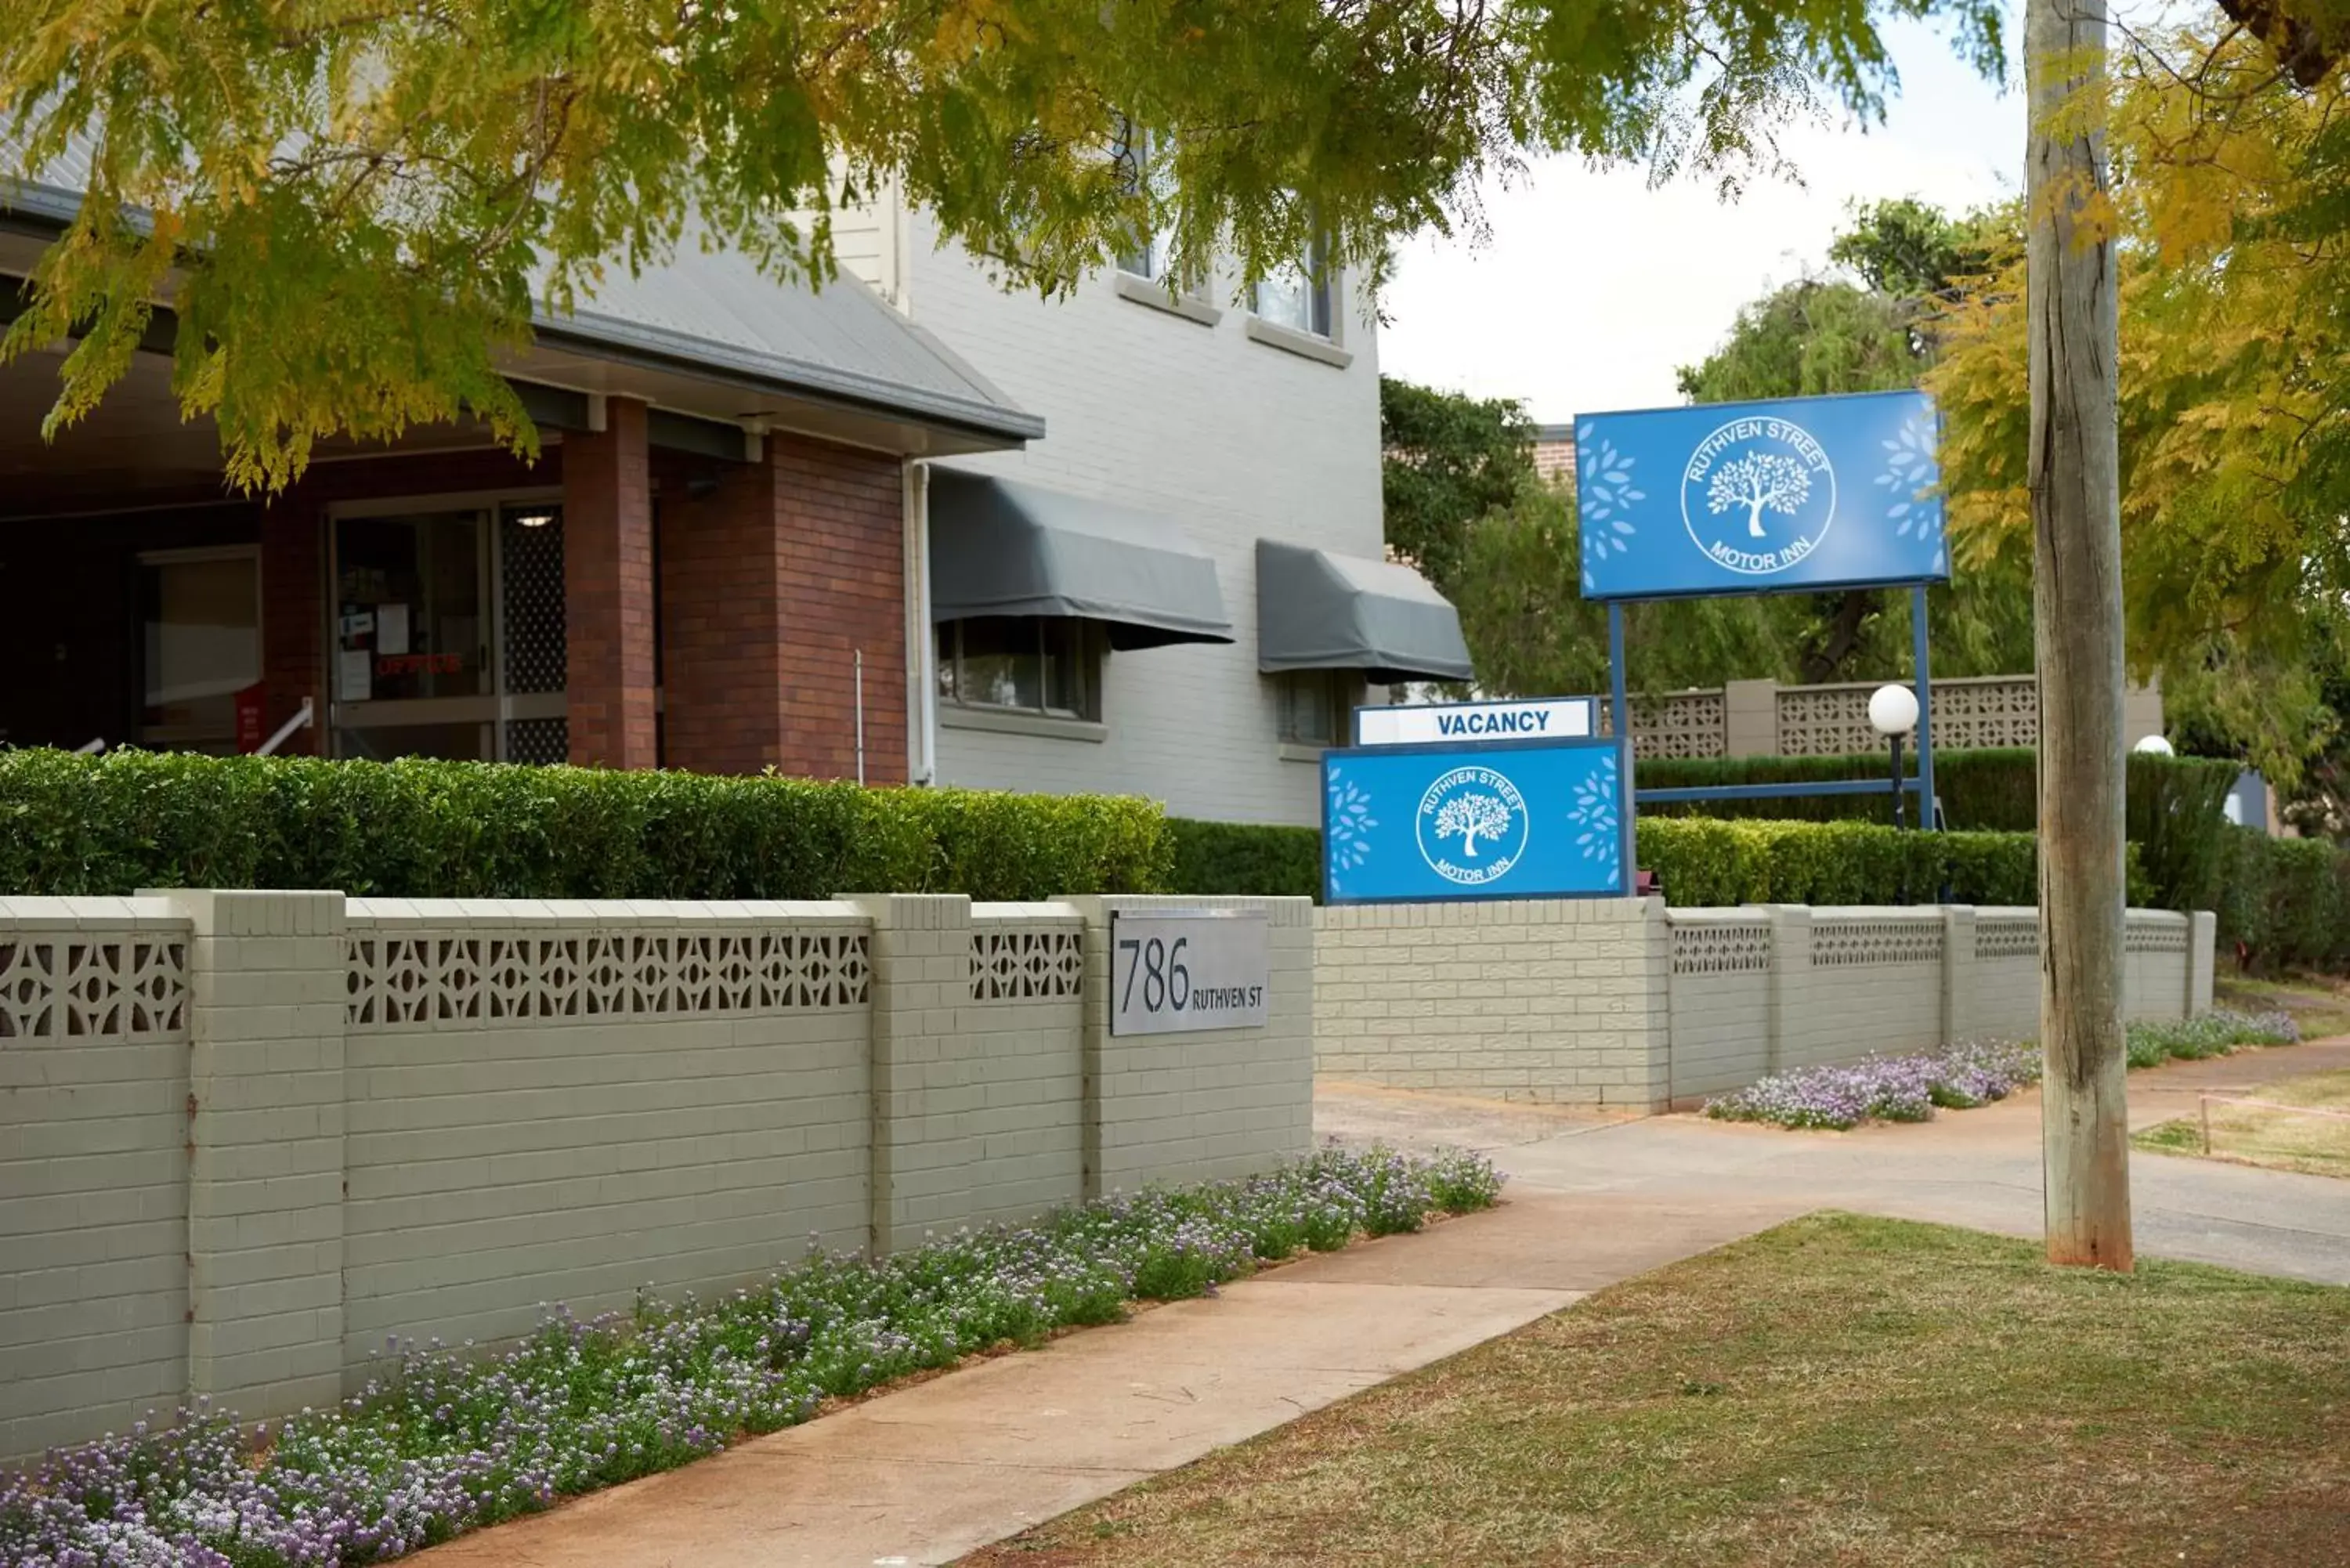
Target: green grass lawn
[
  {"x": 1837, "y": 1391},
  {"x": 2278, "y": 1139}
]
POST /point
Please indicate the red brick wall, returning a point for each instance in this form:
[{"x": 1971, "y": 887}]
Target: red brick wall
[
  {"x": 607, "y": 591},
  {"x": 770, "y": 588}
]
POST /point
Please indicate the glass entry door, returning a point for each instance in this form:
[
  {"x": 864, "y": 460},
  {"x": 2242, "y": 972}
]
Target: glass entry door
[
  {"x": 440, "y": 643},
  {"x": 200, "y": 630}
]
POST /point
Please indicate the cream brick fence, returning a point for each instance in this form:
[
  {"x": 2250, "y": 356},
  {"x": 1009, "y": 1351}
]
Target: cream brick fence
[
  {"x": 1622, "y": 1003},
  {"x": 247, "y": 1137}
]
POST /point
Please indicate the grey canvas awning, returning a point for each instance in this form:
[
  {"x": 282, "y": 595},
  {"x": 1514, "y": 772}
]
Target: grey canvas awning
[
  {"x": 1318, "y": 610},
  {"x": 1001, "y": 547}
]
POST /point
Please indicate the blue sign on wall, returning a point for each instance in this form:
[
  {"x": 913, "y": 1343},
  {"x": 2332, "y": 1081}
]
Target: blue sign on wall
[
  {"x": 1537, "y": 819},
  {"x": 1747, "y": 498}
]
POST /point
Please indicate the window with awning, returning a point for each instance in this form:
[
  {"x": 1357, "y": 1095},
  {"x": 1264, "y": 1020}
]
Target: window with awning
[
  {"x": 1318, "y": 609},
  {"x": 1002, "y": 548}
]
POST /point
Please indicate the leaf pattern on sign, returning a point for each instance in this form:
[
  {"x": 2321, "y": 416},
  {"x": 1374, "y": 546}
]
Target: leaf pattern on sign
[
  {"x": 1601, "y": 840},
  {"x": 1911, "y": 475},
  {"x": 1603, "y": 484},
  {"x": 1350, "y": 820}
]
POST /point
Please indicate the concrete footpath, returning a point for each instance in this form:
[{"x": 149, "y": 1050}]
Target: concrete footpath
[
  {"x": 931, "y": 1472},
  {"x": 928, "y": 1473}
]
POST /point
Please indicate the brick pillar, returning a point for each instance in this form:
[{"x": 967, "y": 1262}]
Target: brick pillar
[
  {"x": 1791, "y": 982},
  {"x": 924, "y": 1077},
  {"x": 607, "y": 591},
  {"x": 770, "y": 588},
  {"x": 1963, "y": 999},
  {"x": 1751, "y": 718},
  {"x": 2202, "y": 940},
  {"x": 266, "y": 1095},
  {"x": 294, "y": 613}
]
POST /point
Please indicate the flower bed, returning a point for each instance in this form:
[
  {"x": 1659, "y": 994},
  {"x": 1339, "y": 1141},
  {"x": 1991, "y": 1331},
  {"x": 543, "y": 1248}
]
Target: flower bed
[
  {"x": 1959, "y": 1077},
  {"x": 446, "y": 1441}
]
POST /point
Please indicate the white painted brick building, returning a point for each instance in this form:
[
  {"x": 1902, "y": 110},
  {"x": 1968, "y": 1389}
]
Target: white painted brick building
[{"x": 1199, "y": 411}]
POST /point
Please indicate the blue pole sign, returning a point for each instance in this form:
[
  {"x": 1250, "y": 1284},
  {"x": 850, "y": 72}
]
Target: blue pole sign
[
  {"x": 1532, "y": 819},
  {"x": 1801, "y": 493}
]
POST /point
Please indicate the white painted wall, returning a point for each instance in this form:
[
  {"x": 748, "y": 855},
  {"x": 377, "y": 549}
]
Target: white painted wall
[{"x": 1232, "y": 439}]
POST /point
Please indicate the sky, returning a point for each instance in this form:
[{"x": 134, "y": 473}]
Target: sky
[{"x": 1594, "y": 288}]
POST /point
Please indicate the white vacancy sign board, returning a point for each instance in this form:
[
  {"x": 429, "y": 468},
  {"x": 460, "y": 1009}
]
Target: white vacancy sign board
[
  {"x": 1176, "y": 970},
  {"x": 1540, "y": 719}
]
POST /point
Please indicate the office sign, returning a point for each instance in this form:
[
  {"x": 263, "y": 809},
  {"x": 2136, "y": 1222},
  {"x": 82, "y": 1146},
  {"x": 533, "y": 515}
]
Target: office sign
[
  {"x": 1176, "y": 970},
  {"x": 1542, "y": 719},
  {"x": 1801, "y": 493},
  {"x": 1540, "y": 819}
]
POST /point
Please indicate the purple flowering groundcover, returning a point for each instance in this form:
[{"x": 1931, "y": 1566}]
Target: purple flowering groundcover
[
  {"x": 447, "y": 1441},
  {"x": 1958, "y": 1077}
]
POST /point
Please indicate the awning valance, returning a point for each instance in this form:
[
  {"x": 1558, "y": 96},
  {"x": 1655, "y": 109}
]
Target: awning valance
[
  {"x": 1000, "y": 547},
  {"x": 1319, "y": 610}
]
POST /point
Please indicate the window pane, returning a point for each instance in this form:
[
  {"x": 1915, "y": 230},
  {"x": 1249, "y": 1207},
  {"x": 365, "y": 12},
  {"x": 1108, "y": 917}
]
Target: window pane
[
  {"x": 408, "y": 602},
  {"x": 202, "y": 636},
  {"x": 1282, "y": 300},
  {"x": 1065, "y": 673},
  {"x": 1000, "y": 666},
  {"x": 1308, "y": 710}
]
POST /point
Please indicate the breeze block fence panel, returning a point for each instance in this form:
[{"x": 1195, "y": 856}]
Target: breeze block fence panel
[
  {"x": 247, "y": 1137},
  {"x": 1625, "y": 1003}
]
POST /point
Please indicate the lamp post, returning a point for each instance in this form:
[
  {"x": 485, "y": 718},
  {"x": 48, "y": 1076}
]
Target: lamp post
[
  {"x": 1893, "y": 714},
  {"x": 2154, "y": 746}
]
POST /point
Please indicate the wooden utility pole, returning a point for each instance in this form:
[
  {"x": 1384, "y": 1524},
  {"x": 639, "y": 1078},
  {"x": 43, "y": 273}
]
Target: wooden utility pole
[{"x": 2076, "y": 605}]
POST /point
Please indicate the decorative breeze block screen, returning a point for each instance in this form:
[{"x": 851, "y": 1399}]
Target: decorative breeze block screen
[
  {"x": 2165, "y": 937},
  {"x": 1986, "y": 714},
  {"x": 1830, "y": 720},
  {"x": 1837, "y": 944},
  {"x": 77, "y": 986},
  {"x": 1707, "y": 948},
  {"x": 2007, "y": 939},
  {"x": 460, "y": 978},
  {"x": 1026, "y": 966}
]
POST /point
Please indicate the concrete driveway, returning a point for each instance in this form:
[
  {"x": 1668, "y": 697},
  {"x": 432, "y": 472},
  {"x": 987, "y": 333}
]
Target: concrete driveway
[{"x": 1980, "y": 1168}]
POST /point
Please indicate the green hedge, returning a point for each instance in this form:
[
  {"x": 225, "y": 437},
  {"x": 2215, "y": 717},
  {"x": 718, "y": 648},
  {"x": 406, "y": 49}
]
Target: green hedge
[
  {"x": 440, "y": 829},
  {"x": 2285, "y": 903},
  {"x": 2175, "y": 803},
  {"x": 1749, "y": 862},
  {"x": 1239, "y": 858}
]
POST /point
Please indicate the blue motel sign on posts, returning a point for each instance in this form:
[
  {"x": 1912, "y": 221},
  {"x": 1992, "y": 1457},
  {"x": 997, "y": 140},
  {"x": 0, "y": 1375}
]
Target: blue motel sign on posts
[
  {"x": 1801, "y": 493},
  {"x": 1533, "y": 819}
]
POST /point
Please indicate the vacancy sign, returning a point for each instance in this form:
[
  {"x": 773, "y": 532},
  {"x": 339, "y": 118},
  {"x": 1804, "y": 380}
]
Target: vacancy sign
[{"x": 1545, "y": 719}]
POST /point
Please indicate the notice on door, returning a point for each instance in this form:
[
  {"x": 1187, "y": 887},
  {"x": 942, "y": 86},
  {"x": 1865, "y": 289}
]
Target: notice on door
[{"x": 1177, "y": 969}]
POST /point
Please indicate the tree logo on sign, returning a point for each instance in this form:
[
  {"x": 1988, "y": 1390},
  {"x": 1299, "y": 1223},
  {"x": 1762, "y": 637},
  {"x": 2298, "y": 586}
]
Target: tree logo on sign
[
  {"x": 1473, "y": 827},
  {"x": 1758, "y": 495}
]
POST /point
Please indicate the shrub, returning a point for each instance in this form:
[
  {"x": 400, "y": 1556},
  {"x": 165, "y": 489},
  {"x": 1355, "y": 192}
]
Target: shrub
[
  {"x": 2283, "y": 903},
  {"x": 2175, "y": 810},
  {"x": 2219, "y": 1032},
  {"x": 443, "y": 1442},
  {"x": 1705, "y": 862},
  {"x": 1233, "y": 858},
  {"x": 423, "y": 828}
]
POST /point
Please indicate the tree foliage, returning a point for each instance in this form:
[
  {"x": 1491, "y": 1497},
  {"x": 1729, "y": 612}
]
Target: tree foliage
[
  {"x": 1447, "y": 459},
  {"x": 350, "y": 206},
  {"x": 2235, "y": 392}
]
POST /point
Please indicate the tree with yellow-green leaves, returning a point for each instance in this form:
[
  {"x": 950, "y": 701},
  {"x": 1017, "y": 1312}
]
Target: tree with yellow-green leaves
[
  {"x": 350, "y": 206},
  {"x": 2234, "y": 389}
]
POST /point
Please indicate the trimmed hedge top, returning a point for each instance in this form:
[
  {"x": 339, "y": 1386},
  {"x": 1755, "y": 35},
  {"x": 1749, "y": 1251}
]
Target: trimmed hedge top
[{"x": 419, "y": 828}]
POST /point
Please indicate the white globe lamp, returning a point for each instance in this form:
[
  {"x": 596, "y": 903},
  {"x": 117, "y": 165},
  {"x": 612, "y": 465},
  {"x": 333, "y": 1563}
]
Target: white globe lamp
[
  {"x": 1892, "y": 710},
  {"x": 1893, "y": 714},
  {"x": 2154, "y": 746}
]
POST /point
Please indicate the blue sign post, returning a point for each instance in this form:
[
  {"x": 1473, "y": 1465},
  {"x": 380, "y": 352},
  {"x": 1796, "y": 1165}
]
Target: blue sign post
[
  {"x": 1793, "y": 495},
  {"x": 1531, "y": 819}
]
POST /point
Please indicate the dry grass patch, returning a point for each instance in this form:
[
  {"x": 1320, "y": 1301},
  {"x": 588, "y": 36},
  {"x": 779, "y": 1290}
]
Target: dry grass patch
[
  {"x": 2279, "y": 1139},
  {"x": 2319, "y": 1004},
  {"x": 1837, "y": 1391}
]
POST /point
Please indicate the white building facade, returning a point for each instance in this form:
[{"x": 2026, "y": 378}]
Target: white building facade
[{"x": 1219, "y": 425}]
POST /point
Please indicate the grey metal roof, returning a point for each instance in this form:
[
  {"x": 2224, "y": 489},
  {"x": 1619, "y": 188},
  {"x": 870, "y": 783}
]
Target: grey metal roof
[{"x": 715, "y": 312}]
